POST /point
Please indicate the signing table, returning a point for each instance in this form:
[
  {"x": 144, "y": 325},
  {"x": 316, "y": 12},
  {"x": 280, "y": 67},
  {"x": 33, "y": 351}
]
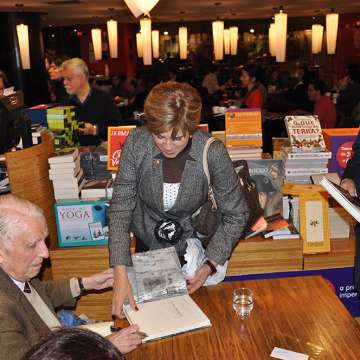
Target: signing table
[{"x": 301, "y": 314}]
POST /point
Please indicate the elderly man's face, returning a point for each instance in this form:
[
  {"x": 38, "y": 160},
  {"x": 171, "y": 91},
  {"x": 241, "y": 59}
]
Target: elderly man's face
[
  {"x": 22, "y": 258},
  {"x": 73, "y": 81}
]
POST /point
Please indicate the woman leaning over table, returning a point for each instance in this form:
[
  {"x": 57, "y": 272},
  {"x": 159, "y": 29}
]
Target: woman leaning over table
[{"x": 161, "y": 178}]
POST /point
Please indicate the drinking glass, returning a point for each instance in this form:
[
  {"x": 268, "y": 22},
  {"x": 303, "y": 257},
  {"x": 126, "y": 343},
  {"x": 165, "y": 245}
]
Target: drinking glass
[{"x": 243, "y": 302}]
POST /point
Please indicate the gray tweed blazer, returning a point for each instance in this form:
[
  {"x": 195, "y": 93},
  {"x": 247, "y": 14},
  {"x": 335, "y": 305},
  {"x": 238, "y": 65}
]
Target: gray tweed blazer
[{"x": 137, "y": 203}]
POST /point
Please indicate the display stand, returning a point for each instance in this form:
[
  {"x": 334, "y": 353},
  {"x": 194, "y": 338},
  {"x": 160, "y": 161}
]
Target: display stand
[{"x": 28, "y": 171}]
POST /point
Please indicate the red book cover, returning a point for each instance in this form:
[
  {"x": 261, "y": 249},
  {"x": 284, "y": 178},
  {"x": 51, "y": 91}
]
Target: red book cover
[{"x": 116, "y": 138}]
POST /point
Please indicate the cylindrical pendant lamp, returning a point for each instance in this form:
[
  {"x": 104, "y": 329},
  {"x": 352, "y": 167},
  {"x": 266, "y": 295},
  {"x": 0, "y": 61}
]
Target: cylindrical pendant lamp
[
  {"x": 96, "y": 39},
  {"x": 226, "y": 41},
  {"x": 317, "y": 32},
  {"x": 281, "y": 34},
  {"x": 113, "y": 37},
  {"x": 183, "y": 42},
  {"x": 23, "y": 38},
  {"x": 145, "y": 26},
  {"x": 272, "y": 39},
  {"x": 332, "y": 23},
  {"x": 234, "y": 36},
  {"x": 218, "y": 39},
  {"x": 139, "y": 48}
]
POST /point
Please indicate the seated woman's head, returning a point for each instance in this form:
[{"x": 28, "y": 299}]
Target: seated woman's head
[
  {"x": 172, "y": 114},
  {"x": 249, "y": 75},
  {"x": 73, "y": 344}
]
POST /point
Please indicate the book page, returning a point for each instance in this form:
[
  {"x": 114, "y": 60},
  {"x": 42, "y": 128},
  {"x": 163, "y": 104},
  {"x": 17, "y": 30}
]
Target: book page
[{"x": 167, "y": 317}]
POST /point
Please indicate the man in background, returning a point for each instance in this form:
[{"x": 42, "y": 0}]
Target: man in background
[
  {"x": 27, "y": 305},
  {"x": 94, "y": 107}
]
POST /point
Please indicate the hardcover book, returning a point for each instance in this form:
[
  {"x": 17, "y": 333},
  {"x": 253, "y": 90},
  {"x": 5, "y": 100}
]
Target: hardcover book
[
  {"x": 268, "y": 176},
  {"x": 243, "y": 127},
  {"x": 339, "y": 142},
  {"x": 160, "y": 291},
  {"x": 305, "y": 133},
  {"x": 116, "y": 139}
]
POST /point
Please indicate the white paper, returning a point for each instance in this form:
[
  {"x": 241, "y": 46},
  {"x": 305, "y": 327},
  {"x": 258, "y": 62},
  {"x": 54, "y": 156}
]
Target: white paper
[
  {"x": 284, "y": 354},
  {"x": 101, "y": 328}
]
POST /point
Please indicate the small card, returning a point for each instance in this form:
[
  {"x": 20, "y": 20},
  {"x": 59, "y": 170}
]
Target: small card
[{"x": 284, "y": 354}]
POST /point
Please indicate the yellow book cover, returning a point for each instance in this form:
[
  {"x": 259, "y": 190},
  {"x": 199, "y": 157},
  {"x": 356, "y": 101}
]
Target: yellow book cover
[
  {"x": 116, "y": 139},
  {"x": 60, "y": 110},
  {"x": 243, "y": 127},
  {"x": 314, "y": 223}
]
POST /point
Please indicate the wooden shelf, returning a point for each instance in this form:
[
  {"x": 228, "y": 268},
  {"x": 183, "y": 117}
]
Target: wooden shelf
[{"x": 259, "y": 255}]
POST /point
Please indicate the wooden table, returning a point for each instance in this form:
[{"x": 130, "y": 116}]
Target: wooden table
[{"x": 300, "y": 314}]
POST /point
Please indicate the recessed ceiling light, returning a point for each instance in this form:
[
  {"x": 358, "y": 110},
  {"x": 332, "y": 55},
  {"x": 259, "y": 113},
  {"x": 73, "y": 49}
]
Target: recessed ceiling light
[
  {"x": 252, "y": 30},
  {"x": 166, "y": 33}
]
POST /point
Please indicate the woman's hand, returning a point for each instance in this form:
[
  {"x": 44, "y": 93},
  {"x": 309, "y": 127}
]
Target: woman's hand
[
  {"x": 349, "y": 185},
  {"x": 198, "y": 280},
  {"x": 121, "y": 291},
  {"x": 126, "y": 339}
]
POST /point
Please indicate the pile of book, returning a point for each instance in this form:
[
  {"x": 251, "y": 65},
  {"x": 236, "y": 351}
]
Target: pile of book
[
  {"x": 95, "y": 189},
  {"x": 279, "y": 228},
  {"x": 307, "y": 154},
  {"x": 61, "y": 121},
  {"x": 66, "y": 174},
  {"x": 243, "y": 133}
]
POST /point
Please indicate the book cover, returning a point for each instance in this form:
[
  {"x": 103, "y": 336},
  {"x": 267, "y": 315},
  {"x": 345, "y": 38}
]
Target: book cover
[
  {"x": 81, "y": 223},
  {"x": 243, "y": 127},
  {"x": 268, "y": 176},
  {"x": 305, "y": 133},
  {"x": 116, "y": 139},
  {"x": 340, "y": 142},
  {"x": 256, "y": 218}
]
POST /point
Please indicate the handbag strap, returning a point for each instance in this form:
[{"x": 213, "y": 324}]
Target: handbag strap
[{"x": 207, "y": 173}]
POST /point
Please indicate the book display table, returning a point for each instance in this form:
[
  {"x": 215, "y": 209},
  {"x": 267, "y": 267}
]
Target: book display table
[
  {"x": 299, "y": 314},
  {"x": 252, "y": 256}
]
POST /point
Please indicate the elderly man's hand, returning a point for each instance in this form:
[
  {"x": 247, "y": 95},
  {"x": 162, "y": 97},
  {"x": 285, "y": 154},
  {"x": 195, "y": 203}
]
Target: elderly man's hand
[
  {"x": 126, "y": 339},
  {"x": 100, "y": 280}
]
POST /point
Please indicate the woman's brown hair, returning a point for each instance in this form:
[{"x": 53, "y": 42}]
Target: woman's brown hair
[{"x": 172, "y": 106}]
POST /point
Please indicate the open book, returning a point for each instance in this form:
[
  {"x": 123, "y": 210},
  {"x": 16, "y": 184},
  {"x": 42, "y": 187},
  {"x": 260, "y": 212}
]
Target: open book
[
  {"x": 350, "y": 203},
  {"x": 159, "y": 288}
]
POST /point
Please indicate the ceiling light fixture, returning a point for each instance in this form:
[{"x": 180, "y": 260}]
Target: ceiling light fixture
[
  {"x": 112, "y": 30},
  {"x": 138, "y": 7},
  {"x": 145, "y": 25},
  {"x": 227, "y": 41},
  {"x": 183, "y": 34},
  {"x": 281, "y": 34},
  {"x": 97, "y": 43},
  {"x": 218, "y": 39},
  {"x": 234, "y": 36},
  {"x": 22, "y": 31},
  {"x": 332, "y": 23},
  {"x": 155, "y": 43},
  {"x": 139, "y": 45}
]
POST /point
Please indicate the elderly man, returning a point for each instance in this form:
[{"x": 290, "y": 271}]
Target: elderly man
[
  {"x": 96, "y": 108},
  {"x": 26, "y": 303}
]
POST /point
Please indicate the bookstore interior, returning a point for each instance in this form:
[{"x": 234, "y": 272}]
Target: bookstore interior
[{"x": 180, "y": 180}]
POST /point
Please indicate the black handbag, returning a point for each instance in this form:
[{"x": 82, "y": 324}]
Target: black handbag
[{"x": 205, "y": 220}]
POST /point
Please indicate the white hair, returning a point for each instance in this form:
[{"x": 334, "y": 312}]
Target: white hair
[
  {"x": 13, "y": 211},
  {"x": 76, "y": 64}
]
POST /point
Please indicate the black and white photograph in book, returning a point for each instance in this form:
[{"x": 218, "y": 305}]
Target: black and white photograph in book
[{"x": 268, "y": 176}]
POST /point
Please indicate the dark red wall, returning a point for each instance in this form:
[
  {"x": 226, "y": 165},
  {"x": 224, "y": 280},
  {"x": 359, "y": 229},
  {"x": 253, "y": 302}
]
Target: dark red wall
[
  {"x": 348, "y": 42},
  {"x": 125, "y": 64}
]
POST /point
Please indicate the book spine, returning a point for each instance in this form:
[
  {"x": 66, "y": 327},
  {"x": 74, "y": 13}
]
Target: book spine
[
  {"x": 306, "y": 171},
  {"x": 308, "y": 156}
]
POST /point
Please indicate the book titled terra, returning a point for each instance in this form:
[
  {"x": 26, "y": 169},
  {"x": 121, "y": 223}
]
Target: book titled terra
[{"x": 117, "y": 136}]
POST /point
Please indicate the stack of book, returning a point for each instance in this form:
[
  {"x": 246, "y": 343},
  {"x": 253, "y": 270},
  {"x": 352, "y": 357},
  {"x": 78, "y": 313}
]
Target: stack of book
[
  {"x": 340, "y": 222},
  {"x": 66, "y": 174},
  {"x": 243, "y": 133},
  {"x": 278, "y": 228},
  {"x": 61, "y": 121},
  {"x": 95, "y": 189},
  {"x": 307, "y": 154}
]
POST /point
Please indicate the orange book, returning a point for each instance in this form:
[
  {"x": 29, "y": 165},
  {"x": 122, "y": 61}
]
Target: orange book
[
  {"x": 243, "y": 127},
  {"x": 116, "y": 139}
]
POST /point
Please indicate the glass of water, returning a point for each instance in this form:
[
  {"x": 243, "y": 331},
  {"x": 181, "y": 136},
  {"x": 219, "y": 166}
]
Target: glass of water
[{"x": 243, "y": 302}]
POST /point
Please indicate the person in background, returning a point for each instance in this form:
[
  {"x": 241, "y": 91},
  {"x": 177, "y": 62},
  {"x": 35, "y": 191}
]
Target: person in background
[
  {"x": 254, "y": 97},
  {"x": 117, "y": 86},
  {"x": 27, "y": 305},
  {"x": 96, "y": 108},
  {"x": 57, "y": 90},
  {"x": 210, "y": 81},
  {"x": 73, "y": 344},
  {"x": 161, "y": 183},
  {"x": 349, "y": 95},
  {"x": 324, "y": 108}
]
